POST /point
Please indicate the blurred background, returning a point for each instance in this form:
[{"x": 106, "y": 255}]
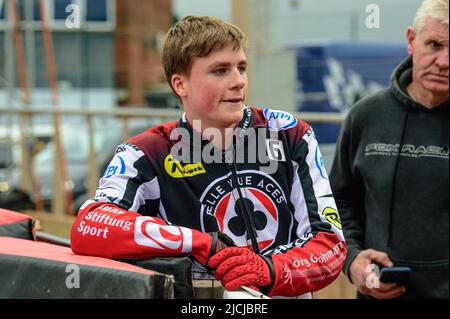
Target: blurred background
[{"x": 77, "y": 77}]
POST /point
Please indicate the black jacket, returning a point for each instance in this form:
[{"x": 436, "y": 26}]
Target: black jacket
[{"x": 397, "y": 204}]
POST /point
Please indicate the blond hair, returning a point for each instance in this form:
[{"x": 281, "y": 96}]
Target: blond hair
[
  {"x": 436, "y": 9},
  {"x": 197, "y": 36}
]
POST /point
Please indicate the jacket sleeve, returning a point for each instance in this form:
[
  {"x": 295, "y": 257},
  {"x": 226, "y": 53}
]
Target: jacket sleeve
[
  {"x": 109, "y": 225},
  {"x": 348, "y": 189},
  {"x": 316, "y": 257}
]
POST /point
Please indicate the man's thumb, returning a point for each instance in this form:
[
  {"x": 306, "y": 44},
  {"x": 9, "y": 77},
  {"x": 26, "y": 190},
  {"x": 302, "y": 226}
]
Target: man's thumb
[{"x": 381, "y": 259}]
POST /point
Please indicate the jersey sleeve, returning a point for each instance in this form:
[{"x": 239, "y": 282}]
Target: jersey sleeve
[
  {"x": 112, "y": 224},
  {"x": 129, "y": 182},
  {"x": 316, "y": 257}
]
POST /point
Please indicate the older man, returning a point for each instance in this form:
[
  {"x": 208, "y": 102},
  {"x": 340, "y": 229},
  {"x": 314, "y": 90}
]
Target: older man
[{"x": 390, "y": 173}]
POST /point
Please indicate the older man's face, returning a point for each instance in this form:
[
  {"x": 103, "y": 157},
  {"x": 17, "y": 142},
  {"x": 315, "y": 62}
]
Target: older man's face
[{"x": 429, "y": 50}]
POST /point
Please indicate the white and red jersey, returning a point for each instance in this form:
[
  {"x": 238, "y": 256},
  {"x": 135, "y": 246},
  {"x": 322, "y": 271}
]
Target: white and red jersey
[{"x": 166, "y": 187}]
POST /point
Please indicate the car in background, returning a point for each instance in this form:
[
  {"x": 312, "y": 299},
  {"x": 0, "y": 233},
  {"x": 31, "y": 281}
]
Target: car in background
[
  {"x": 10, "y": 160},
  {"x": 11, "y": 199}
]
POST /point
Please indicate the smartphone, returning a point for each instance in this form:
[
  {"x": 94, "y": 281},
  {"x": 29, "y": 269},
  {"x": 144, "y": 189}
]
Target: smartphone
[{"x": 399, "y": 275}]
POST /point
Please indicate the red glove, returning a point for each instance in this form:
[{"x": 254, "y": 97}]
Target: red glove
[
  {"x": 219, "y": 240},
  {"x": 238, "y": 266}
]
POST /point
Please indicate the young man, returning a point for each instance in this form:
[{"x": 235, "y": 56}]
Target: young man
[
  {"x": 223, "y": 175},
  {"x": 390, "y": 173}
]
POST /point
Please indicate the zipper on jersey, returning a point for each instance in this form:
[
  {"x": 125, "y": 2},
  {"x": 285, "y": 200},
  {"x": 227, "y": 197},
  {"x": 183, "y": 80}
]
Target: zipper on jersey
[{"x": 242, "y": 207}]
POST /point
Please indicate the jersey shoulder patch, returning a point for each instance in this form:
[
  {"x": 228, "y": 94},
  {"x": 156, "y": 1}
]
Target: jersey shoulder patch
[{"x": 279, "y": 120}]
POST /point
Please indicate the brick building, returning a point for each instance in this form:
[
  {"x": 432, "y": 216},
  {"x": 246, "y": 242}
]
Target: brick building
[
  {"x": 112, "y": 58},
  {"x": 140, "y": 28}
]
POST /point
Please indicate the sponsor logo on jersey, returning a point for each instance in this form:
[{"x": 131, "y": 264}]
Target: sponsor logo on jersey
[
  {"x": 279, "y": 120},
  {"x": 175, "y": 169},
  {"x": 275, "y": 150},
  {"x": 263, "y": 197},
  {"x": 123, "y": 147},
  {"x": 116, "y": 167},
  {"x": 150, "y": 234},
  {"x": 332, "y": 216},
  {"x": 320, "y": 163}
]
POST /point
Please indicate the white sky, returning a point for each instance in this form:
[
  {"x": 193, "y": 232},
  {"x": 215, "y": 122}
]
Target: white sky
[
  {"x": 218, "y": 8},
  {"x": 284, "y": 22}
]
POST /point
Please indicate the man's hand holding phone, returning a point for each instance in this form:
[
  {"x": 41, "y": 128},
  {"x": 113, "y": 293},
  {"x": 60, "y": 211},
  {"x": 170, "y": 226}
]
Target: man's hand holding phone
[{"x": 364, "y": 274}]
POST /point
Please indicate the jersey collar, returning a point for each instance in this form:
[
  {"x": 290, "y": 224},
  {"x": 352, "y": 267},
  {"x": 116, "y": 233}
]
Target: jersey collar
[{"x": 245, "y": 123}]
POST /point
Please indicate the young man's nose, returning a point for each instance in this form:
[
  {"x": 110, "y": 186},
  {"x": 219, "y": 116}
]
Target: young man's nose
[{"x": 238, "y": 80}]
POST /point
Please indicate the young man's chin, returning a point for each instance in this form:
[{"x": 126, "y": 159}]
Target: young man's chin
[
  {"x": 230, "y": 119},
  {"x": 232, "y": 109},
  {"x": 232, "y": 106}
]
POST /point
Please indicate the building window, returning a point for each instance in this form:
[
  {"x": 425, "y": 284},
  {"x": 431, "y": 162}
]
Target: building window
[
  {"x": 90, "y": 10},
  {"x": 95, "y": 15},
  {"x": 2, "y": 9},
  {"x": 29, "y": 7},
  {"x": 97, "y": 10},
  {"x": 60, "y": 9}
]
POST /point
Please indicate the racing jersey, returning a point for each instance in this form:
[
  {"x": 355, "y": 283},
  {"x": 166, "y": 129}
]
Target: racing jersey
[{"x": 268, "y": 191}]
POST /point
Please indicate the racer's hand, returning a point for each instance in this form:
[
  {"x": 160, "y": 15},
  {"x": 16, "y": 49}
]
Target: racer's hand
[
  {"x": 367, "y": 283},
  {"x": 208, "y": 244},
  {"x": 238, "y": 266}
]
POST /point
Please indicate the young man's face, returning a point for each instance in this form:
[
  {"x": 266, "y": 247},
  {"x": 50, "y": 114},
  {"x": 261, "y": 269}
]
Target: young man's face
[
  {"x": 429, "y": 51},
  {"x": 215, "y": 89}
]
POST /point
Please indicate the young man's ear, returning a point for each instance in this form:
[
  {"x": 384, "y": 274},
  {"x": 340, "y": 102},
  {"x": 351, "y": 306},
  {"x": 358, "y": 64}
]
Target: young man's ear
[
  {"x": 179, "y": 84},
  {"x": 410, "y": 36}
]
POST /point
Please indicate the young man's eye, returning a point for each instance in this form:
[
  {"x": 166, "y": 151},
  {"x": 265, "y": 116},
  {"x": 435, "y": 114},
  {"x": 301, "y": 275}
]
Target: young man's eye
[
  {"x": 242, "y": 69},
  {"x": 220, "y": 71}
]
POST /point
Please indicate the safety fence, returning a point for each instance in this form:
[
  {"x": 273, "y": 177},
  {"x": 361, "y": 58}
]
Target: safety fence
[
  {"x": 20, "y": 132},
  {"x": 17, "y": 129}
]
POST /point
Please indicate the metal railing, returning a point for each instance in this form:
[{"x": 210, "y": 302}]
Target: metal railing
[{"x": 123, "y": 114}]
